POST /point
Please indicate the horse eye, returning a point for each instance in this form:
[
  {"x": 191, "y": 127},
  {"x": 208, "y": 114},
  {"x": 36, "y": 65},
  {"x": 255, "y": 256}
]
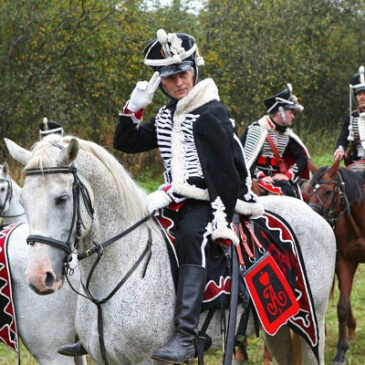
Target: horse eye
[
  {"x": 61, "y": 199},
  {"x": 2, "y": 189},
  {"x": 327, "y": 193}
]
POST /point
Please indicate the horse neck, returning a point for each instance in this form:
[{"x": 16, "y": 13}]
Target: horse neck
[
  {"x": 111, "y": 219},
  {"x": 15, "y": 212}
]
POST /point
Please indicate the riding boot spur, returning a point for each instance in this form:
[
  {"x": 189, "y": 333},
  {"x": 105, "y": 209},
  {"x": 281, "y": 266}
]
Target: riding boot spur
[
  {"x": 76, "y": 349},
  {"x": 181, "y": 348}
]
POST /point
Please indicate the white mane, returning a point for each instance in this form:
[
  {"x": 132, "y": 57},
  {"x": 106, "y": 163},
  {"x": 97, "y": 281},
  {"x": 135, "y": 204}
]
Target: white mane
[{"x": 130, "y": 193}]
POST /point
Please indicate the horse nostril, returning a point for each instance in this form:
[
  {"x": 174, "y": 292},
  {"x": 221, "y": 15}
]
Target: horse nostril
[{"x": 49, "y": 279}]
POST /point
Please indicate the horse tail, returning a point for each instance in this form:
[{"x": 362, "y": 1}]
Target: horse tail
[{"x": 297, "y": 349}]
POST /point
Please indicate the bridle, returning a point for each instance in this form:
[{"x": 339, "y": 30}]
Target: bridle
[
  {"x": 339, "y": 196},
  {"x": 79, "y": 189},
  {"x": 8, "y": 196}
]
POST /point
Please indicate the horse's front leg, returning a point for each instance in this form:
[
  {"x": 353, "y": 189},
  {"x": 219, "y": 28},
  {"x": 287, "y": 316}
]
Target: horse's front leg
[
  {"x": 351, "y": 325},
  {"x": 345, "y": 272}
]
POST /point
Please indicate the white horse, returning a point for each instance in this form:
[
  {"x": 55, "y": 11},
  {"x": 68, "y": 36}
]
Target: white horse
[
  {"x": 139, "y": 316},
  {"x": 44, "y": 323}
]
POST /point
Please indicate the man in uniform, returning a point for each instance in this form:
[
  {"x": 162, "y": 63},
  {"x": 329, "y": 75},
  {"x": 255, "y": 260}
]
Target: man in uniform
[
  {"x": 206, "y": 179},
  {"x": 274, "y": 153},
  {"x": 353, "y": 129}
]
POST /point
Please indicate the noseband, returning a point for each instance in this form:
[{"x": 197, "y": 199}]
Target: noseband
[
  {"x": 78, "y": 188},
  {"x": 339, "y": 191}
]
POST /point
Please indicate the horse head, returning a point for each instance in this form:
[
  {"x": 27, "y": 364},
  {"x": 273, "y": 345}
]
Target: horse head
[
  {"x": 5, "y": 188},
  {"x": 325, "y": 191},
  {"x": 54, "y": 206}
]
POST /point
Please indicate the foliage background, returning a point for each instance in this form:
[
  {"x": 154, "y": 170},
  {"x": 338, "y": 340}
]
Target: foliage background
[{"x": 77, "y": 61}]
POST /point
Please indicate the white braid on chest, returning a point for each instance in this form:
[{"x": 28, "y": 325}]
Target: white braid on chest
[
  {"x": 190, "y": 160},
  {"x": 280, "y": 140},
  {"x": 355, "y": 126}
]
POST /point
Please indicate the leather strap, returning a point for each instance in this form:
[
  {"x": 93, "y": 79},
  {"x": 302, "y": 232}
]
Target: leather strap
[{"x": 282, "y": 166}]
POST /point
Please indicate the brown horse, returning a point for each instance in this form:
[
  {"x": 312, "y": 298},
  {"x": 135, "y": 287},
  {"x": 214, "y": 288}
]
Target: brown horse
[{"x": 337, "y": 194}]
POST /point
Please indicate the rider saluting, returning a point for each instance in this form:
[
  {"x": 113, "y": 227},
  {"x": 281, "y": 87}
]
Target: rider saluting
[
  {"x": 274, "y": 153},
  {"x": 205, "y": 172},
  {"x": 353, "y": 128},
  {"x": 206, "y": 179}
]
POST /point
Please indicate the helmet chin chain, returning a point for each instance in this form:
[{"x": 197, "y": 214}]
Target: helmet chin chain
[{"x": 283, "y": 116}]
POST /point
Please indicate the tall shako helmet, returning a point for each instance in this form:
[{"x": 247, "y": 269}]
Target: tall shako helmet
[
  {"x": 357, "y": 84},
  {"x": 48, "y": 127},
  {"x": 282, "y": 101},
  {"x": 173, "y": 53}
]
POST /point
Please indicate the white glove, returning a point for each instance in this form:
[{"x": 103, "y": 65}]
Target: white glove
[
  {"x": 142, "y": 94},
  {"x": 157, "y": 200},
  {"x": 339, "y": 153}
]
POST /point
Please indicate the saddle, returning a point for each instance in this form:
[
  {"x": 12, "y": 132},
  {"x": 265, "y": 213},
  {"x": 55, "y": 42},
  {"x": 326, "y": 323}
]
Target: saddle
[{"x": 268, "y": 252}]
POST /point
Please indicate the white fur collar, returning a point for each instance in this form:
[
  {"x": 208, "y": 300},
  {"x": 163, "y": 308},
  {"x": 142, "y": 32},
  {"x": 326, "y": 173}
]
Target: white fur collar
[
  {"x": 202, "y": 93},
  {"x": 266, "y": 123}
]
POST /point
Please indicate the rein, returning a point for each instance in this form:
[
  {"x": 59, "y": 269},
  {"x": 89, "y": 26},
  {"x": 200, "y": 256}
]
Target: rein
[
  {"x": 79, "y": 188},
  {"x": 340, "y": 190}
]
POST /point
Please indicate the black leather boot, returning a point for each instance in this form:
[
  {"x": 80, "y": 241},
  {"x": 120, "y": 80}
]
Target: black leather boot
[
  {"x": 76, "y": 349},
  {"x": 181, "y": 348}
]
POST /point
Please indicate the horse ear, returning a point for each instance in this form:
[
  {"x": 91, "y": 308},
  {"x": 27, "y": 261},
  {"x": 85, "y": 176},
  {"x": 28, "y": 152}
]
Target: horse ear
[
  {"x": 334, "y": 168},
  {"x": 18, "y": 153},
  {"x": 5, "y": 168},
  {"x": 70, "y": 154}
]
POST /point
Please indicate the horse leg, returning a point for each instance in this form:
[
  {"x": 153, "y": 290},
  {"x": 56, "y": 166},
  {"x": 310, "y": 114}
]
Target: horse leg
[
  {"x": 240, "y": 356},
  {"x": 345, "y": 273},
  {"x": 351, "y": 325},
  {"x": 281, "y": 346},
  {"x": 267, "y": 355}
]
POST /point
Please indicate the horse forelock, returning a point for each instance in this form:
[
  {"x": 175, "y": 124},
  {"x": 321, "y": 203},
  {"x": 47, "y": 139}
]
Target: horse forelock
[
  {"x": 130, "y": 194},
  {"x": 318, "y": 174},
  {"x": 41, "y": 154}
]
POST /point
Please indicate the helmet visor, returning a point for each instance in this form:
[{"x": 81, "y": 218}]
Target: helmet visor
[{"x": 169, "y": 70}]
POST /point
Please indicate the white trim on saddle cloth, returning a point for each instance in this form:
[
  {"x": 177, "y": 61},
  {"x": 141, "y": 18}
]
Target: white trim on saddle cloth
[
  {"x": 305, "y": 321},
  {"x": 9, "y": 329}
]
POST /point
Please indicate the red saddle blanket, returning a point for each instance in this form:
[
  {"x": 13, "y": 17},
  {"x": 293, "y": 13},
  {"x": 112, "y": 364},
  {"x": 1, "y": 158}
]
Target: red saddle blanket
[
  {"x": 8, "y": 327},
  {"x": 279, "y": 240}
]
